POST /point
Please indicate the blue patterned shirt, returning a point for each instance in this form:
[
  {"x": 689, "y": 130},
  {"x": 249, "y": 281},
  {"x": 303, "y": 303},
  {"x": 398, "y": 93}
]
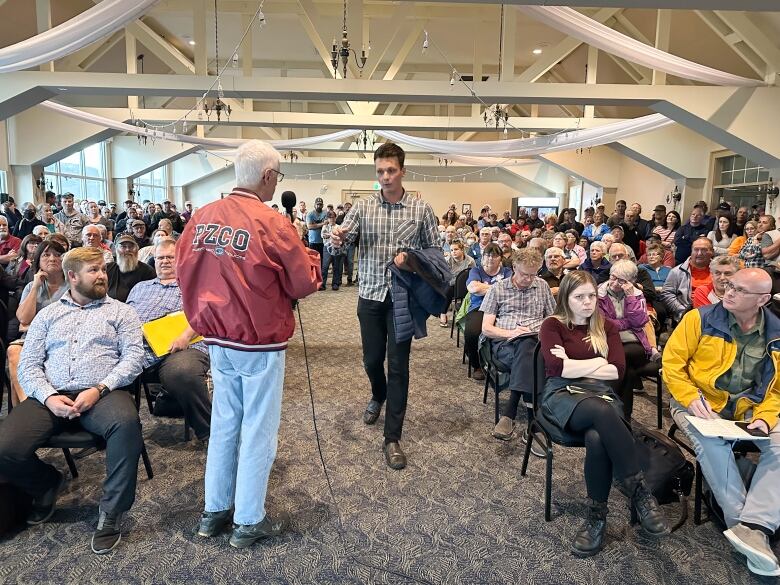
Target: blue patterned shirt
[
  {"x": 70, "y": 348},
  {"x": 152, "y": 299}
]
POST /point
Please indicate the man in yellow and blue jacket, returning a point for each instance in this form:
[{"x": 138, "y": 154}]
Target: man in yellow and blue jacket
[{"x": 722, "y": 361}]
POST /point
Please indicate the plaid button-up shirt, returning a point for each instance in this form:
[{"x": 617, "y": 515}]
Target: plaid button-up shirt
[
  {"x": 385, "y": 230},
  {"x": 513, "y": 306}
]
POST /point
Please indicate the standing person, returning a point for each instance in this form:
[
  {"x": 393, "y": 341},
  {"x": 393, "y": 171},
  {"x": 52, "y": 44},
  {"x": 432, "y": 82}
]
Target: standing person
[
  {"x": 257, "y": 266},
  {"x": 389, "y": 221},
  {"x": 73, "y": 220},
  {"x": 315, "y": 220}
]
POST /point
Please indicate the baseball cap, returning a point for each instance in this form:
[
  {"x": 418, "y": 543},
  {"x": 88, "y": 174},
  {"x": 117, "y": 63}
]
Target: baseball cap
[
  {"x": 659, "y": 208},
  {"x": 318, "y": 200},
  {"x": 125, "y": 238},
  {"x": 617, "y": 227},
  {"x": 138, "y": 222}
]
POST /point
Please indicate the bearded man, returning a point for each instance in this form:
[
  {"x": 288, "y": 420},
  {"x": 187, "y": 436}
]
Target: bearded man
[{"x": 127, "y": 271}]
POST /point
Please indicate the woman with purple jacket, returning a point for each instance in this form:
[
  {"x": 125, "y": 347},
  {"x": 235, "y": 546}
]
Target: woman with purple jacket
[{"x": 624, "y": 304}]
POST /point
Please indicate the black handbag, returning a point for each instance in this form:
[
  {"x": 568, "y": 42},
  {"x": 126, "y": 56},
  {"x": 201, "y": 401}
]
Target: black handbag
[{"x": 668, "y": 474}]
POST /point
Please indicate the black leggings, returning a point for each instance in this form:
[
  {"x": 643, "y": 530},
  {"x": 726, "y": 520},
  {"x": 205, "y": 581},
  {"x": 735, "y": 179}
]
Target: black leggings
[
  {"x": 609, "y": 446},
  {"x": 636, "y": 357},
  {"x": 472, "y": 324},
  {"x": 450, "y": 296}
]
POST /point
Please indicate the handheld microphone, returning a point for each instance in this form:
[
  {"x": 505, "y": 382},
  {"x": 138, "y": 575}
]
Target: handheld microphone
[{"x": 288, "y": 202}]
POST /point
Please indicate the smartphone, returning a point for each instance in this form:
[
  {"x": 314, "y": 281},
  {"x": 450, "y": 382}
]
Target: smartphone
[{"x": 752, "y": 432}]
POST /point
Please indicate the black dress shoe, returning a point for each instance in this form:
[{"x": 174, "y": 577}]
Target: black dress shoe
[
  {"x": 43, "y": 506},
  {"x": 213, "y": 523},
  {"x": 394, "y": 456},
  {"x": 372, "y": 412}
]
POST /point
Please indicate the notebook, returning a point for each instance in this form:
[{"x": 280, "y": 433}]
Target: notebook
[
  {"x": 160, "y": 333},
  {"x": 728, "y": 430}
]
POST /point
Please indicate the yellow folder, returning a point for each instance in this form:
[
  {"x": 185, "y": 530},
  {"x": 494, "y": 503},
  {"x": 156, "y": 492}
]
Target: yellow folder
[{"x": 160, "y": 333}]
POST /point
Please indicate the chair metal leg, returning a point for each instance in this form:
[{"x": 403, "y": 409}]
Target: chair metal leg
[
  {"x": 463, "y": 359},
  {"x": 547, "y": 482},
  {"x": 497, "y": 392},
  {"x": 697, "y": 496},
  {"x": 147, "y": 463},
  {"x": 659, "y": 402},
  {"x": 487, "y": 383},
  {"x": 457, "y": 337},
  {"x": 149, "y": 399},
  {"x": 527, "y": 451},
  {"x": 186, "y": 432},
  {"x": 71, "y": 463},
  {"x": 452, "y": 326}
]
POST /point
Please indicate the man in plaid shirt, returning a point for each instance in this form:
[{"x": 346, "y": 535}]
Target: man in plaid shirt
[{"x": 388, "y": 222}]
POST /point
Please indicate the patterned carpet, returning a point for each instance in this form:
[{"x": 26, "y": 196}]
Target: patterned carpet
[{"x": 459, "y": 513}]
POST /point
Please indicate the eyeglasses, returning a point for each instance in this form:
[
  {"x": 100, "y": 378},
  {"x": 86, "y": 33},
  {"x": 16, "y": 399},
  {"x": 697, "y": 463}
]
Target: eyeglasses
[
  {"x": 739, "y": 290},
  {"x": 620, "y": 281},
  {"x": 280, "y": 175}
]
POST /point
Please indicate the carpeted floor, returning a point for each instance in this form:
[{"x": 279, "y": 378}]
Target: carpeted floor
[{"x": 459, "y": 513}]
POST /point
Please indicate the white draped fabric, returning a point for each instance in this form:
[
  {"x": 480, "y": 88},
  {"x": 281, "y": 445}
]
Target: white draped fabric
[
  {"x": 294, "y": 143},
  {"x": 62, "y": 40},
  {"x": 579, "y": 26},
  {"x": 525, "y": 147}
]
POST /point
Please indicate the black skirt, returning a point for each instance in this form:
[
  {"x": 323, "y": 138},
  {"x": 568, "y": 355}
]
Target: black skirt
[{"x": 562, "y": 395}]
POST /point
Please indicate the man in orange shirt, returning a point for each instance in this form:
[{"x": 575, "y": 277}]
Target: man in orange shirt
[
  {"x": 722, "y": 268},
  {"x": 683, "y": 280}
]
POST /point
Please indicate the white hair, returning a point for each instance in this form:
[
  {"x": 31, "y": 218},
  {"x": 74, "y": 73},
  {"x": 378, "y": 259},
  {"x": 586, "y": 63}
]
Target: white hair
[
  {"x": 599, "y": 246},
  {"x": 252, "y": 160},
  {"x": 624, "y": 269}
]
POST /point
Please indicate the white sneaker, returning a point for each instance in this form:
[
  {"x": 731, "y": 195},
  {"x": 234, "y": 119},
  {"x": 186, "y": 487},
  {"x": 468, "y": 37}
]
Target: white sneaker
[{"x": 754, "y": 544}]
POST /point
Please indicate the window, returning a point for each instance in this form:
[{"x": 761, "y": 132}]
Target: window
[
  {"x": 82, "y": 173},
  {"x": 152, "y": 186},
  {"x": 738, "y": 170},
  {"x": 3, "y": 182}
]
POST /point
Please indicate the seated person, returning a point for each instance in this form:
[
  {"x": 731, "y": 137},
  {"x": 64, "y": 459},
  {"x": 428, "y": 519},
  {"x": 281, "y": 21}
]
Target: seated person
[
  {"x": 9, "y": 245},
  {"x": 654, "y": 265},
  {"x": 127, "y": 271},
  {"x": 505, "y": 243},
  {"x": 183, "y": 371},
  {"x": 91, "y": 237},
  {"x": 722, "y": 269},
  {"x": 748, "y": 231},
  {"x": 19, "y": 266},
  {"x": 512, "y": 307},
  {"x": 146, "y": 255},
  {"x": 48, "y": 285},
  {"x": 138, "y": 228},
  {"x": 721, "y": 361},
  {"x": 75, "y": 366},
  {"x": 667, "y": 258},
  {"x": 683, "y": 280},
  {"x": 572, "y": 259},
  {"x": 596, "y": 264},
  {"x": 458, "y": 262},
  {"x": 478, "y": 248},
  {"x": 624, "y": 305},
  {"x": 554, "y": 261},
  {"x": 480, "y": 279},
  {"x": 580, "y": 348},
  {"x": 166, "y": 225}
]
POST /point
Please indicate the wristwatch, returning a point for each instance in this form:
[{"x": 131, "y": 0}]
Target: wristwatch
[{"x": 103, "y": 390}]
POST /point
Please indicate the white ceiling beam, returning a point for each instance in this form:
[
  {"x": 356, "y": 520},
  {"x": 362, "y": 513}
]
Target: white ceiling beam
[
  {"x": 663, "y": 30},
  {"x": 550, "y": 58},
  {"x": 508, "y": 44},
  {"x": 43, "y": 22},
  {"x": 162, "y": 49},
  {"x": 720, "y": 28},
  {"x": 132, "y": 66},
  {"x": 198, "y": 8},
  {"x": 399, "y": 12},
  {"x": 754, "y": 38},
  {"x": 591, "y": 76},
  {"x": 751, "y": 5}
]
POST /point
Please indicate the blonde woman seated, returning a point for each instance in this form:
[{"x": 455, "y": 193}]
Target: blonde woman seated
[
  {"x": 750, "y": 229},
  {"x": 583, "y": 358}
]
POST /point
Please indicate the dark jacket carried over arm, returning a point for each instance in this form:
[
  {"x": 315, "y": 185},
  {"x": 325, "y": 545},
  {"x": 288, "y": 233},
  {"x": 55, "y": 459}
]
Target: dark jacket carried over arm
[{"x": 419, "y": 293}]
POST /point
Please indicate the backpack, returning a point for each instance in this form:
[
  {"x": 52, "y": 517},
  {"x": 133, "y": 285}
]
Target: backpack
[{"x": 668, "y": 474}]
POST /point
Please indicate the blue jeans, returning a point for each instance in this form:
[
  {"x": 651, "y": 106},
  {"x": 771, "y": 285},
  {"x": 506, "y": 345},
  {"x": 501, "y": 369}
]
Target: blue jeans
[
  {"x": 349, "y": 257},
  {"x": 337, "y": 262},
  {"x": 245, "y": 413}
]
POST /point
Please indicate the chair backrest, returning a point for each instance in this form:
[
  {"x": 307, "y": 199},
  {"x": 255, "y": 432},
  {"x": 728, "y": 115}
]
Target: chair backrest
[
  {"x": 538, "y": 373},
  {"x": 460, "y": 284}
]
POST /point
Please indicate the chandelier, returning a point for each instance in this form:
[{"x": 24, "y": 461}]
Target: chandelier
[
  {"x": 496, "y": 115},
  {"x": 219, "y": 107},
  {"x": 345, "y": 49}
]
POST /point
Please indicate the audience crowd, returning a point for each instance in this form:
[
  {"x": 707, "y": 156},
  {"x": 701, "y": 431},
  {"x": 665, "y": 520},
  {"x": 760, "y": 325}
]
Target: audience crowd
[{"x": 598, "y": 293}]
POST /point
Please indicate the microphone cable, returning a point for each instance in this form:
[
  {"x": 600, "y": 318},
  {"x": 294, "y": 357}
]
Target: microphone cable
[{"x": 333, "y": 498}]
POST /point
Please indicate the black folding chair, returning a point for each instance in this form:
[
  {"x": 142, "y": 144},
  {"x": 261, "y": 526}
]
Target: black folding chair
[
  {"x": 143, "y": 381},
  {"x": 551, "y": 433},
  {"x": 652, "y": 371},
  {"x": 494, "y": 378},
  {"x": 457, "y": 301}
]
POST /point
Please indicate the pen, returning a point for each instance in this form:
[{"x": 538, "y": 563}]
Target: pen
[{"x": 703, "y": 402}]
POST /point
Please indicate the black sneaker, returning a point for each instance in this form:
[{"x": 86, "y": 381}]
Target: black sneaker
[
  {"x": 108, "y": 534},
  {"x": 43, "y": 507},
  {"x": 213, "y": 523},
  {"x": 335, "y": 287},
  {"x": 245, "y": 535}
]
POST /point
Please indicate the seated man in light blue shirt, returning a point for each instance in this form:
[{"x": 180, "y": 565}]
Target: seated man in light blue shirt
[
  {"x": 80, "y": 355},
  {"x": 182, "y": 372}
]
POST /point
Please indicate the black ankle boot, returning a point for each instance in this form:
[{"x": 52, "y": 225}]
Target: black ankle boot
[
  {"x": 642, "y": 500},
  {"x": 589, "y": 540}
]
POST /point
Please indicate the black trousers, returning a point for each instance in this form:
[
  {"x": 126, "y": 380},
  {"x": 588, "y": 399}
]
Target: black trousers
[
  {"x": 517, "y": 358},
  {"x": 183, "y": 376},
  {"x": 378, "y": 335},
  {"x": 609, "y": 446},
  {"x": 318, "y": 247},
  {"x": 31, "y": 424},
  {"x": 636, "y": 357},
  {"x": 472, "y": 323}
]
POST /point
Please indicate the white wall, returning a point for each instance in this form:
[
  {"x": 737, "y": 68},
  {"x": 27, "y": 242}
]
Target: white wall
[{"x": 639, "y": 183}]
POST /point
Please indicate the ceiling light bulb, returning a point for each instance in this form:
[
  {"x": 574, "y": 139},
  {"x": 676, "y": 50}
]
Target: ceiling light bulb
[
  {"x": 191, "y": 43},
  {"x": 537, "y": 51}
]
